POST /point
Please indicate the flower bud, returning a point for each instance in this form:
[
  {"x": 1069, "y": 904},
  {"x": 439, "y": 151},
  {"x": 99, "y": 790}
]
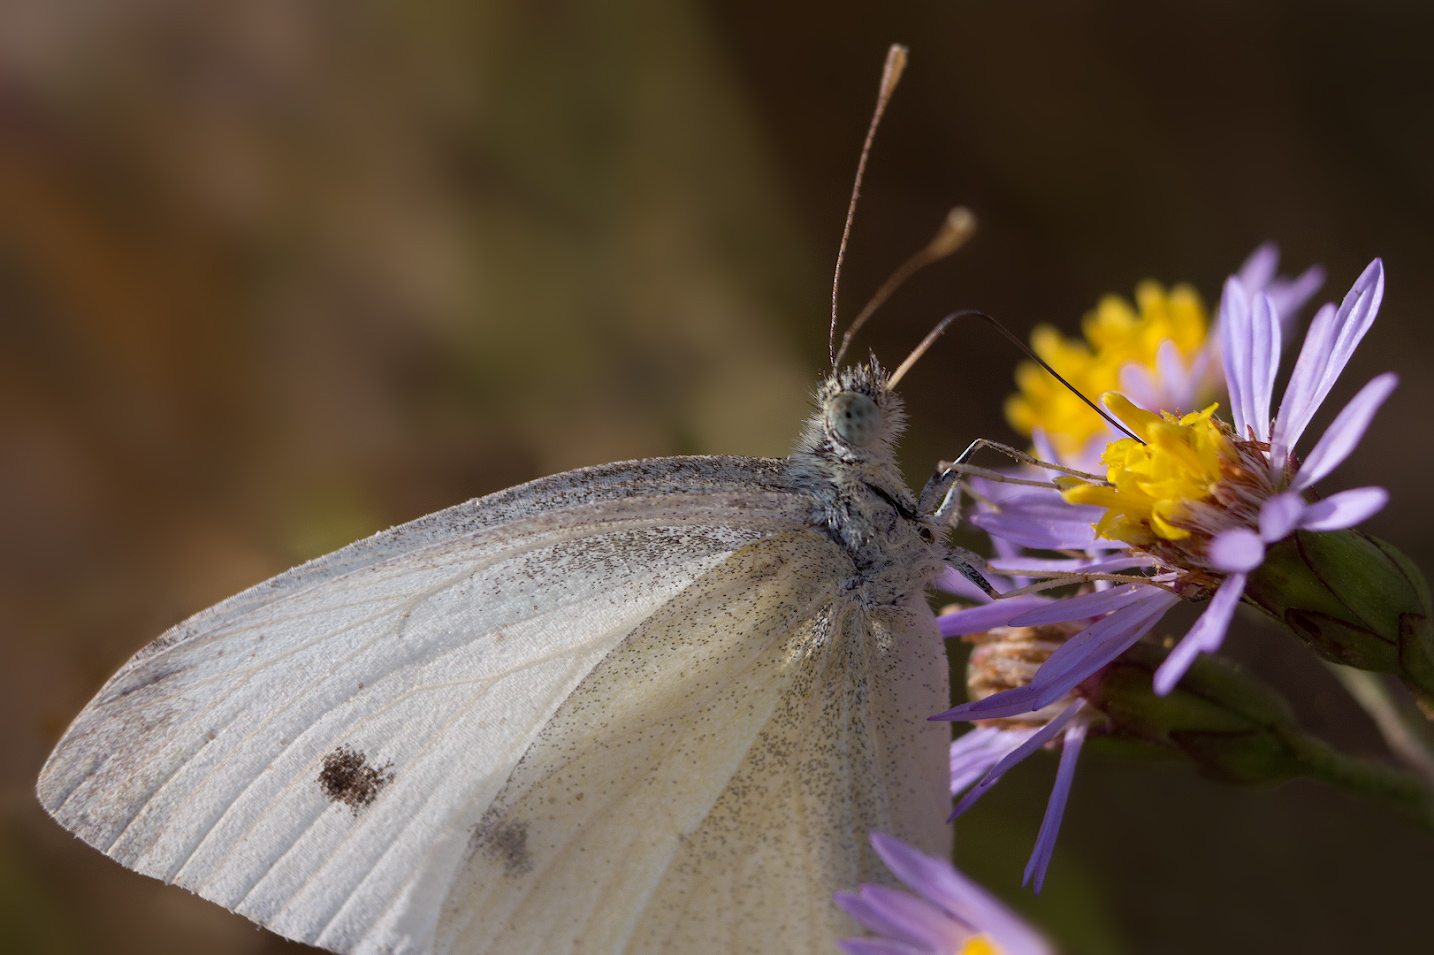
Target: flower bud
[{"x": 1355, "y": 600}]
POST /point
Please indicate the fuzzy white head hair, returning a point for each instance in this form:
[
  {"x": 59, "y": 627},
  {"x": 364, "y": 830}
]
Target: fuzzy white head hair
[{"x": 858, "y": 418}]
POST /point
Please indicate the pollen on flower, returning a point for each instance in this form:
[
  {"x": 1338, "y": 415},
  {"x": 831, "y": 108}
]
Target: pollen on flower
[
  {"x": 1155, "y": 484},
  {"x": 1115, "y": 334}
]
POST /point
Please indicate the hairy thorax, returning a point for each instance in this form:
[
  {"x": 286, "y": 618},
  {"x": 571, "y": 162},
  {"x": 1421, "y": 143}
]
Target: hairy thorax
[{"x": 846, "y": 464}]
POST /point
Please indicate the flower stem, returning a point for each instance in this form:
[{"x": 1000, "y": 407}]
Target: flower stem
[{"x": 1394, "y": 787}]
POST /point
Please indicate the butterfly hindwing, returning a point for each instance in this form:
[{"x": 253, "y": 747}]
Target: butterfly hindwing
[{"x": 709, "y": 784}]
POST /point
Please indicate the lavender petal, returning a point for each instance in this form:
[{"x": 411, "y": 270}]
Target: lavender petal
[
  {"x": 1279, "y": 515},
  {"x": 1055, "y": 807},
  {"x": 1041, "y": 441},
  {"x": 1082, "y": 605},
  {"x": 1330, "y": 343},
  {"x": 903, "y": 917},
  {"x": 1204, "y": 637},
  {"x": 976, "y": 751},
  {"x": 1367, "y": 294},
  {"x": 1076, "y": 659},
  {"x": 1290, "y": 295},
  {"x": 1044, "y": 521},
  {"x": 1259, "y": 267},
  {"x": 1069, "y": 565},
  {"x": 1095, "y": 646},
  {"x": 1007, "y": 703},
  {"x": 1235, "y": 350},
  {"x": 1004, "y": 549},
  {"x": 1179, "y": 380},
  {"x": 1345, "y": 432},
  {"x": 1142, "y": 386},
  {"x": 1299, "y": 404},
  {"x": 958, "y": 896},
  {"x": 1264, "y": 363},
  {"x": 1199, "y": 373},
  {"x": 879, "y": 946},
  {"x": 1345, "y": 509},
  {"x": 932, "y": 877},
  {"x": 1236, "y": 550},
  {"x": 998, "y": 613},
  {"x": 1038, "y": 739},
  {"x": 871, "y": 914}
]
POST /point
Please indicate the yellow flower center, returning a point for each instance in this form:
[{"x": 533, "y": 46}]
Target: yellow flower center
[
  {"x": 979, "y": 945},
  {"x": 1154, "y": 482},
  {"x": 1115, "y": 334}
]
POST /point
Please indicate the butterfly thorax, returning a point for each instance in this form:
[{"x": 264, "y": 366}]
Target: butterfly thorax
[{"x": 846, "y": 461}]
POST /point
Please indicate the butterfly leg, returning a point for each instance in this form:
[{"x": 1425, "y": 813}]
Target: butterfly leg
[
  {"x": 941, "y": 498},
  {"x": 964, "y": 562},
  {"x": 1015, "y": 455}
]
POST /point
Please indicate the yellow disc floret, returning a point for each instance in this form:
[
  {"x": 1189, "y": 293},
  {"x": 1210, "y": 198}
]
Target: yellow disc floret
[
  {"x": 979, "y": 945},
  {"x": 1154, "y": 483},
  {"x": 1115, "y": 334}
]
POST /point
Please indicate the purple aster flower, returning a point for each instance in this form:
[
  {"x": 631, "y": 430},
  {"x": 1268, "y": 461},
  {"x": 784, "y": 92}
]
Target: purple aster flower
[
  {"x": 1199, "y": 500},
  {"x": 1162, "y": 353},
  {"x": 1174, "y": 383},
  {"x": 949, "y": 915}
]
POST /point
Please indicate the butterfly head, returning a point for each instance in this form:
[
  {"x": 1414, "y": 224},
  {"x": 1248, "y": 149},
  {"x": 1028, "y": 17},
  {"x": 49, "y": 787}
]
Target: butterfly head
[{"x": 858, "y": 416}]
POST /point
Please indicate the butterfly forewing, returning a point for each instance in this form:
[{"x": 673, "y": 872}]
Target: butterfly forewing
[{"x": 317, "y": 752}]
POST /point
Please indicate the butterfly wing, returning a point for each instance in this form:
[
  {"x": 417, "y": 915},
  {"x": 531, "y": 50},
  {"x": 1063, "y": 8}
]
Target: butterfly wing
[
  {"x": 328, "y": 752},
  {"x": 713, "y": 780}
]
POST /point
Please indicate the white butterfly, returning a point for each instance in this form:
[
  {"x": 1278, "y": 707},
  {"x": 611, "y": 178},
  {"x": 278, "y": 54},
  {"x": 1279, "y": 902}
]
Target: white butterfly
[{"x": 647, "y": 707}]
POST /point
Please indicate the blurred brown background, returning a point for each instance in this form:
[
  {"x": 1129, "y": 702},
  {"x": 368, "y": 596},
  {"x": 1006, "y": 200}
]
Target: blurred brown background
[{"x": 276, "y": 275}]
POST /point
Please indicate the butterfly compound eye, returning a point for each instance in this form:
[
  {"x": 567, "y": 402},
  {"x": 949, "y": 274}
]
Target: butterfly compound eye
[{"x": 855, "y": 418}]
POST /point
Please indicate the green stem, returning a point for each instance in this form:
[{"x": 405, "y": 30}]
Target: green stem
[{"x": 1394, "y": 787}]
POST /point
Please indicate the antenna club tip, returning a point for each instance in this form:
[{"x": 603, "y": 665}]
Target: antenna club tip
[
  {"x": 956, "y": 230},
  {"x": 961, "y": 219},
  {"x": 895, "y": 63}
]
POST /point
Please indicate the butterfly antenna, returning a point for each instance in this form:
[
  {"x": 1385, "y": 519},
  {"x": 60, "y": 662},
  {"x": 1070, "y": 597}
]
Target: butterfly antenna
[
  {"x": 941, "y": 326},
  {"x": 956, "y": 229},
  {"x": 890, "y": 76}
]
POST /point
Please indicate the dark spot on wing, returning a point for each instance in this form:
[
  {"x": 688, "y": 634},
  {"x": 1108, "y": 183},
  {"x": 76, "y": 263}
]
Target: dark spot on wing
[
  {"x": 511, "y": 841},
  {"x": 507, "y": 841},
  {"x": 348, "y": 778}
]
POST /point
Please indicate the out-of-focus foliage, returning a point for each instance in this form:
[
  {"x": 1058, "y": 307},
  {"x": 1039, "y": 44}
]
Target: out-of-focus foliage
[{"x": 274, "y": 276}]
